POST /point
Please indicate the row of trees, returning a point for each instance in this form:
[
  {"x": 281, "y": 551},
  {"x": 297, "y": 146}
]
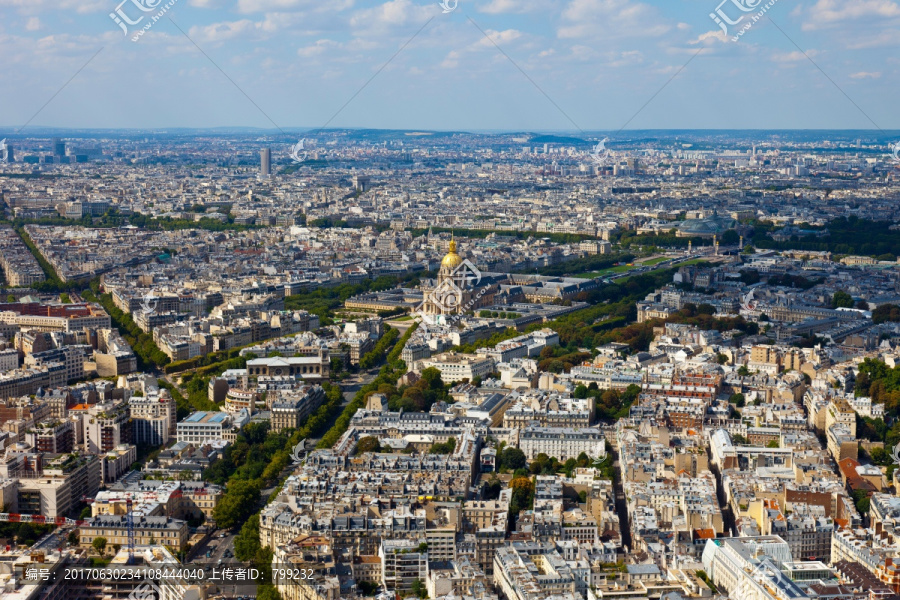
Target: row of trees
[
  {"x": 443, "y": 448},
  {"x": 639, "y": 335},
  {"x": 387, "y": 377},
  {"x": 559, "y": 238},
  {"x": 212, "y": 358},
  {"x": 493, "y": 314},
  {"x": 846, "y": 235},
  {"x": 146, "y": 350},
  {"x": 53, "y": 282},
  {"x": 421, "y": 395},
  {"x": 379, "y": 352},
  {"x": 25, "y": 534},
  {"x": 244, "y": 502}
]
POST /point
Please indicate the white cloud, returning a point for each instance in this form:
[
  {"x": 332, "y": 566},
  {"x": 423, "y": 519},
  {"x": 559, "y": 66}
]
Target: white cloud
[
  {"x": 33, "y": 24},
  {"x": 827, "y": 13},
  {"x": 611, "y": 19},
  {"x": 249, "y": 6},
  {"x": 499, "y": 7},
  {"x": 391, "y": 14},
  {"x": 888, "y": 37},
  {"x": 500, "y": 38},
  {"x": 796, "y": 55},
  {"x": 36, "y": 6},
  {"x": 228, "y": 31},
  {"x": 866, "y": 75},
  {"x": 206, "y": 3},
  {"x": 626, "y": 59},
  {"x": 711, "y": 37},
  {"x": 497, "y": 38},
  {"x": 317, "y": 49}
]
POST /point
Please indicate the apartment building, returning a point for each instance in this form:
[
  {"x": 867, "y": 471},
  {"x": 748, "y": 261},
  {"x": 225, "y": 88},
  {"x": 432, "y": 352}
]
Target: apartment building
[
  {"x": 201, "y": 426},
  {"x": 148, "y": 531},
  {"x": 9, "y": 360},
  {"x": 153, "y": 418},
  {"x": 52, "y": 437},
  {"x": 290, "y": 407},
  {"x": 532, "y": 571},
  {"x": 73, "y": 357},
  {"x": 71, "y": 318},
  {"x": 106, "y": 426},
  {"x": 402, "y": 563},
  {"x": 27, "y": 381},
  {"x": 20, "y": 268},
  {"x": 561, "y": 443},
  {"x": 457, "y": 367},
  {"x": 54, "y": 488}
]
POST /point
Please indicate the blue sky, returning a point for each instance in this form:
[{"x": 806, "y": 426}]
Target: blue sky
[{"x": 600, "y": 61}]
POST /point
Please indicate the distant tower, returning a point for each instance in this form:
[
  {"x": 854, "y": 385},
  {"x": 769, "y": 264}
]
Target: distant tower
[
  {"x": 716, "y": 244},
  {"x": 741, "y": 244},
  {"x": 59, "y": 147},
  {"x": 265, "y": 162},
  {"x": 690, "y": 246}
]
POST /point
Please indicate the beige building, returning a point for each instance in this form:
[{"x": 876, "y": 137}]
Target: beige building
[
  {"x": 299, "y": 367},
  {"x": 148, "y": 531},
  {"x": 457, "y": 367}
]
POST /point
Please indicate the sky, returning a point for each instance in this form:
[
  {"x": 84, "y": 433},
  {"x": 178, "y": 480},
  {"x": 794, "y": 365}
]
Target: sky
[{"x": 512, "y": 65}]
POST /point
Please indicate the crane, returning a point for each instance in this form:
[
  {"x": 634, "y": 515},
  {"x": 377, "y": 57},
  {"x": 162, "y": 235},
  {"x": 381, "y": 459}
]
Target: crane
[{"x": 129, "y": 523}]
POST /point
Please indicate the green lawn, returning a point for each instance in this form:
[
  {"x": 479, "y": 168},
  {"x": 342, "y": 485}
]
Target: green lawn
[
  {"x": 610, "y": 271},
  {"x": 625, "y": 268}
]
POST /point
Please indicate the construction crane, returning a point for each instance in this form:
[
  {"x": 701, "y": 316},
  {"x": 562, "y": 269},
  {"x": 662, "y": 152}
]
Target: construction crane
[{"x": 129, "y": 523}]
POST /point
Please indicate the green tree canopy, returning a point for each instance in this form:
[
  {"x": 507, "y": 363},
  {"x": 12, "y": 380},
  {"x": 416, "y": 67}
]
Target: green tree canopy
[
  {"x": 841, "y": 299},
  {"x": 512, "y": 459},
  {"x": 99, "y": 544},
  {"x": 240, "y": 500},
  {"x": 368, "y": 444}
]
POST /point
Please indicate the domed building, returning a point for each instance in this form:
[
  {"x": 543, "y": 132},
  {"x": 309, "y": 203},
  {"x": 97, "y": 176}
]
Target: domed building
[
  {"x": 714, "y": 225},
  {"x": 451, "y": 261},
  {"x": 460, "y": 287}
]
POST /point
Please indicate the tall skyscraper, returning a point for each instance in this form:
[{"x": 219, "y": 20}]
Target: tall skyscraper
[
  {"x": 59, "y": 147},
  {"x": 265, "y": 162}
]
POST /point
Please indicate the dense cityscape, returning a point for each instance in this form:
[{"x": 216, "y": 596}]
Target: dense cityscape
[{"x": 449, "y": 365}]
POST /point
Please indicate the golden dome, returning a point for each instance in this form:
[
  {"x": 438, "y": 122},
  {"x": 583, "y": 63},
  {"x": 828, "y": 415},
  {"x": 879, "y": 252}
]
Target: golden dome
[{"x": 452, "y": 260}]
